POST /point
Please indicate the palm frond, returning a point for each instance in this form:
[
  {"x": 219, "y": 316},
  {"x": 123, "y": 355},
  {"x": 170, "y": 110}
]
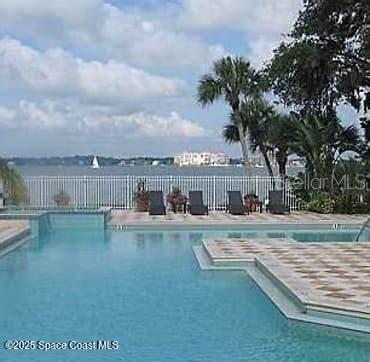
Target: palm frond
[
  {"x": 209, "y": 90},
  {"x": 230, "y": 133}
]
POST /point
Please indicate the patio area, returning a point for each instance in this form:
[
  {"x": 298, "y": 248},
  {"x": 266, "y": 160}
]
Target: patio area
[{"x": 123, "y": 218}]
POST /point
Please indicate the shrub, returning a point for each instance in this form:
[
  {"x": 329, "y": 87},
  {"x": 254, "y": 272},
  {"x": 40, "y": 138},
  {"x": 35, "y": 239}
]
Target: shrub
[
  {"x": 319, "y": 202},
  {"x": 349, "y": 202}
]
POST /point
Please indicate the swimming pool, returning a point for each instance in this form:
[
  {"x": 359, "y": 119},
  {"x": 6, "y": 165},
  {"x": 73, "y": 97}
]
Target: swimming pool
[{"x": 144, "y": 289}]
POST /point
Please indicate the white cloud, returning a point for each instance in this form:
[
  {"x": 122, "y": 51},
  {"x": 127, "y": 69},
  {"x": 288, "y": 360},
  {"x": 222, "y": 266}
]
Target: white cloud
[
  {"x": 44, "y": 115},
  {"x": 263, "y": 21},
  {"x": 172, "y": 125},
  {"x": 52, "y": 115},
  {"x": 59, "y": 73},
  {"x": 149, "y": 125},
  {"x": 7, "y": 115},
  {"x": 150, "y": 42},
  {"x": 88, "y": 67},
  {"x": 105, "y": 30},
  {"x": 263, "y": 15},
  {"x": 55, "y": 16},
  {"x": 261, "y": 49}
]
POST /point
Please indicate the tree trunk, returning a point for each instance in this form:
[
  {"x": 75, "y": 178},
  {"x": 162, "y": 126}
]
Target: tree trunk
[
  {"x": 244, "y": 147},
  {"x": 268, "y": 164},
  {"x": 282, "y": 160}
]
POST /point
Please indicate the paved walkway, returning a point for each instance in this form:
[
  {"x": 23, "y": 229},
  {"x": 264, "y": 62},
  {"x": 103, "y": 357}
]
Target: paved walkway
[{"x": 127, "y": 218}]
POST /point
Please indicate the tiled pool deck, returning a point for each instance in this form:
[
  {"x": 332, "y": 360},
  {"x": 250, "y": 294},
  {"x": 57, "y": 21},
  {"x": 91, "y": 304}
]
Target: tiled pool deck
[
  {"x": 11, "y": 232},
  {"x": 328, "y": 280},
  {"x": 132, "y": 218}
]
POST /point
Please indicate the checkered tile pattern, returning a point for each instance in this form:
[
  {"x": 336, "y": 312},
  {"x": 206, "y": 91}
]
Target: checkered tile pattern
[
  {"x": 330, "y": 275},
  {"x": 120, "y": 217}
]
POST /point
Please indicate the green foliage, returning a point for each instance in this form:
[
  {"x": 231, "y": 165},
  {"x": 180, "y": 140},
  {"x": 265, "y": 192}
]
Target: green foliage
[
  {"x": 257, "y": 117},
  {"x": 231, "y": 78},
  {"x": 280, "y": 133},
  {"x": 351, "y": 194},
  {"x": 15, "y": 191},
  {"x": 321, "y": 141},
  {"x": 347, "y": 190},
  {"x": 320, "y": 202},
  {"x": 236, "y": 82},
  {"x": 326, "y": 56},
  {"x": 349, "y": 202},
  {"x": 300, "y": 74}
]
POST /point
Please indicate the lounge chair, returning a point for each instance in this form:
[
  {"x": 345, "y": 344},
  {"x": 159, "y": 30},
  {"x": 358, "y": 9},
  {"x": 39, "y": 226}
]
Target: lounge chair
[
  {"x": 276, "y": 203},
  {"x": 156, "y": 204},
  {"x": 196, "y": 205},
  {"x": 235, "y": 205}
]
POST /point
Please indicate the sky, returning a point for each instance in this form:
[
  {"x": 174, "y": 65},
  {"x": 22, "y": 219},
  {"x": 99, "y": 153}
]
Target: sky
[{"x": 118, "y": 78}]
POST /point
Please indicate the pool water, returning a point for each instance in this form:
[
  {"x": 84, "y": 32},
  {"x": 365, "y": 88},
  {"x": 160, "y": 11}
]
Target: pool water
[{"x": 145, "y": 290}]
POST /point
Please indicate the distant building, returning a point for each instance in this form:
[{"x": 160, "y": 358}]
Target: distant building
[{"x": 201, "y": 159}]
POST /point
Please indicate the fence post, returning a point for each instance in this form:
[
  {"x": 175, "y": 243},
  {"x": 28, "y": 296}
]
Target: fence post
[
  {"x": 85, "y": 191},
  {"x": 214, "y": 193}
]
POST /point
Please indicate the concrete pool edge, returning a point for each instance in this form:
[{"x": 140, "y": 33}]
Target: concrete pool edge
[
  {"x": 14, "y": 239},
  {"x": 285, "y": 300},
  {"x": 233, "y": 227}
]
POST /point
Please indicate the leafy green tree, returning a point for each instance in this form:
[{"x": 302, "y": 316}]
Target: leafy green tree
[
  {"x": 326, "y": 57},
  {"x": 235, "y": 81}
]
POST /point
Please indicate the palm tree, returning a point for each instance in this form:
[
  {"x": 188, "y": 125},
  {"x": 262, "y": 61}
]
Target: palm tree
[
  {"x": 234, "y": 80},
  {"x": 321, "y": 141},
  {"x": 280, "y": 135},
  {"x": 260, "y": 115},
  {"x": 256, "y": 115},
  {"x": 13, "y": 184}
]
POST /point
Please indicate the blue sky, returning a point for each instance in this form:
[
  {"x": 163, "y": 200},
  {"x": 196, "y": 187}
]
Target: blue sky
[{"x": 119, "y": 77}]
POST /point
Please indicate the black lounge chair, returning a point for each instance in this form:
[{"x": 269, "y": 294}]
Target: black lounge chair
[
  {"x": 2, "y": 199},
  {"x": 156, "y": 204},
  {"x": 235, "y": 205},
  {"x": 276, "y": 203},
  {"x": 196, "y": 205}
]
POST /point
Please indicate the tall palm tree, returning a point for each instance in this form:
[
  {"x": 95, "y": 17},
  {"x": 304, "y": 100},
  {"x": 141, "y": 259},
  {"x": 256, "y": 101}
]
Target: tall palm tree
[
  {"x": 234, "y": 80},
  {"x": 256, "y": 115},
  {"x": 260, "y": 115}
]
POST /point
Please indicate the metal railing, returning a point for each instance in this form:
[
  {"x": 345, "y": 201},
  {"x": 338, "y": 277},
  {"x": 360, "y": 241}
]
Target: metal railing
[{"x": 119, "y": 191}]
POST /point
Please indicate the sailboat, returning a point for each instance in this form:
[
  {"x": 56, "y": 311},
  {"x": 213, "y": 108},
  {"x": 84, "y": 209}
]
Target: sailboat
[{"x": 95, "y": 163}]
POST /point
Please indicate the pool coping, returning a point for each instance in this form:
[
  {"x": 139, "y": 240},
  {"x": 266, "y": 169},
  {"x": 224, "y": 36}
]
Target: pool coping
[
  {"x": 14, "y": 239},
  {"x": 292, "y": 306},
  {"x": 233, "y": 226}
]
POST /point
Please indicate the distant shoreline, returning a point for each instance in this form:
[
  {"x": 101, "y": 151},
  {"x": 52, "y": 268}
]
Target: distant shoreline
[{"x": 117, "y": 170}]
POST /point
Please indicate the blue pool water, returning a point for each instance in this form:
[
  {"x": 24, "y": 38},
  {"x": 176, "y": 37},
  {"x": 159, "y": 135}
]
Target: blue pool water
[{"x": 145, "y": 290}]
